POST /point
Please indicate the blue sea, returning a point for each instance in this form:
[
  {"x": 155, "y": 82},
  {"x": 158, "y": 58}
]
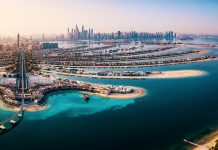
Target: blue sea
[{"x": 172, "y": 110}]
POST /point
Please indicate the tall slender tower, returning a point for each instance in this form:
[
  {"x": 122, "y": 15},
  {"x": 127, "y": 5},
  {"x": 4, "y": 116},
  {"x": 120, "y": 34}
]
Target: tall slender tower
[
  {"x": 18, "y": 40},
  {"x": 68, "y": 33},
  {"x": 83, "y": 32},
  {"x": 72, "y": 34},
  {"x": 76, "y": 33},
  {"x": 89, "y": 34},
  {"x": 92, "y": 33}
]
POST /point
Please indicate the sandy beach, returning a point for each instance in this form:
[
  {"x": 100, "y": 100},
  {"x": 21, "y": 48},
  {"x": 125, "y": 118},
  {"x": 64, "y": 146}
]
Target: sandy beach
[
  {"x": 26, "y": 108},
  {"x": 179, "y": 74},
  {"x": 208, "y": 141},
  {"x": 138, "y": 92},
  {"x": 203, "y": 51},
  {"x": 164, "y": 74}
]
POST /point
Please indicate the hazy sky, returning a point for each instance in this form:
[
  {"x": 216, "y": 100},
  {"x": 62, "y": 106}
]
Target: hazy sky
[{"x": 54, "y": 16}]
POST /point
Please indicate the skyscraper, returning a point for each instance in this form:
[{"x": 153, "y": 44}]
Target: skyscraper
[
  {"x": 72, "y": 34},
  {"x": 68, "y": 34},
  {"x": 119, "y": 36},
  {"x": 18, "y": 40},
  {"x": 76, "y": 33},
  {"x": 83, "y": 33},
  {"x": 89, "y": 34},
  {"x": 92, "y": 34}
]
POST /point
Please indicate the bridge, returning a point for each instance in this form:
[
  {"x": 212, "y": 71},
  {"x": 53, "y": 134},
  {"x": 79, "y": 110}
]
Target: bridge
[{"x": 22, "y": 85}]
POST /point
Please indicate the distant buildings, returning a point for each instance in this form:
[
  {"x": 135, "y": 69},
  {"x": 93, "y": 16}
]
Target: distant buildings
[
  {"x": 43, "y": 37},
  {"x": 68, "y": 33},
  {"x": 77, "y": 34},
  {"x": 49, "y": 45},
  {"x": 88, "y": 34},
  {"x": 60, "y": 38}
]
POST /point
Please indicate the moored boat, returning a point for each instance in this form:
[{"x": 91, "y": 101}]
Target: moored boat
[
  {"x": 2, "y": 127},
  {"x": 86, "y": 97},
  {"x": 12, "y": 121}
]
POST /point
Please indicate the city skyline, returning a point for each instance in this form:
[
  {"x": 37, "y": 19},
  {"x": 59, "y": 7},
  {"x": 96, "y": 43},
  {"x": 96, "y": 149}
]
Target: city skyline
[{"x": 52, "y": 17}]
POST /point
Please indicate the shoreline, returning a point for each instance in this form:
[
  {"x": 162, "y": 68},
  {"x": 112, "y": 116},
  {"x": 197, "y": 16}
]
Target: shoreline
[
  {"x": 138, "y": 92},
  {"x": 209, "y": 141},
  {"x": 163, "y": 75},
  {"x": 203, "y": 51},
  {"x": 6, "y": 107},
  {"x": 179, "y": 74}
]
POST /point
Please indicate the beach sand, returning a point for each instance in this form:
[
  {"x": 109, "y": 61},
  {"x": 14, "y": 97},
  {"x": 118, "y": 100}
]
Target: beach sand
[
  {"x": 138, "y": 92},
  {"x": 203, "y": 51},
  {"x": 26, "y": 108},
  {"x": 208, "y": 141},
  {"x": 179, "y": 74},
  {"x": 164, "y": 74}
]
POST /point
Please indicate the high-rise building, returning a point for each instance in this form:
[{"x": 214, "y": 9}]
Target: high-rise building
[
  {"x": 76, "y": 33},
  {"x": 92, "y": 34},
  {"x": 43, "y": 37},
  {"x": 89, "y": 34},
  {"x": 18, "y": 40},
  {"x": 119, "y": 36},
  {"x": 83, "y": 33},
  {"x": 68, "y": 33},
  {"x": 71, "y": 34}
]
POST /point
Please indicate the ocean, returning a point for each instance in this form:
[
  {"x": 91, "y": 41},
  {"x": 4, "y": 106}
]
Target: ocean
[{"x": 172, "y": 110}]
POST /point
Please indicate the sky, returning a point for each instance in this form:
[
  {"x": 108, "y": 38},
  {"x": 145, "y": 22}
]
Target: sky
[{"x": 54, "y": 16}]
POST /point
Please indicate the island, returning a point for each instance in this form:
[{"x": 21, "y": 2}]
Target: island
[{"x": 125, "y": 74}]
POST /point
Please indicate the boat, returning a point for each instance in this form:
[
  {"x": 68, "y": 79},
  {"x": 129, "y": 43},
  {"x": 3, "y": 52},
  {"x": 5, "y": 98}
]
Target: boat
[
  {"x": 12, "y": 122},
  {"x": 2, "y": 127},
  {"x": 20, "y": 115},
  {"x": 86, "y": 97}
]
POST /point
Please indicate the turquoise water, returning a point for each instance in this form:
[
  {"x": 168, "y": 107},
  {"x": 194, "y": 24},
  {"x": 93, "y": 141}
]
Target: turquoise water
[
  {"x": 73, "y": 103},
  {"x": 174, "y": 109}
]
